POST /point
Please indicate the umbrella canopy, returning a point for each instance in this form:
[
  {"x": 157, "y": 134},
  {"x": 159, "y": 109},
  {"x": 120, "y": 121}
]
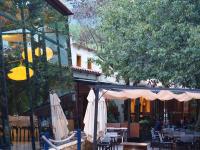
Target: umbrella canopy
[
  {"x": 59, "y": 121},
  {"x": 89, "y": 116},
  {"x": 19, "y": 73},
  {"x": 38, "y": 52}
]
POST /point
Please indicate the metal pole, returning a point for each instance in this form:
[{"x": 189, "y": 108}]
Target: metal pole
[
  {"x": 96, "y": 91},
  {"x": 129, "y": 116},
  {"x": 35, "y": 80},
  {"x": 68, "y": 44},
  {"x": 78, "y": 119},
  {"x": 58, "y": 48},
  {"x": 4, "y": 103},
  {"x": 44, "y": 59},
  {"x": 27, "y": 75}
]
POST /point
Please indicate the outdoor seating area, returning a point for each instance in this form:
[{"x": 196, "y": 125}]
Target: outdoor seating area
[
  {"x": 102, "y": 75},
  {"x": 175, "y": 139},
  {"x": 120, "y": 129}
]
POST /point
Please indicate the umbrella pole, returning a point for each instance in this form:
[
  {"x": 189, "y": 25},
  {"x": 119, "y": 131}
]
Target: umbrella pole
[
  {"x": 78, "y": 120},
  {"x": 96, "y": 91},
  {"x": 129, "y": 116}
]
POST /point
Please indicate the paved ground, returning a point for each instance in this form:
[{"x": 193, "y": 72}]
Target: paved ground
[
  {"x": 24, "y": 146},
  {"x": 27, "y": 146}
]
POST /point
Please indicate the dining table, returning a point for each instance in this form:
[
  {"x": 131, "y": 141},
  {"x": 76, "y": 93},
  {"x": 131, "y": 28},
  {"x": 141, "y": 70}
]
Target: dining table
[
  {"x": 120, "y": 129},
  {"x": 183, "y": 135}
]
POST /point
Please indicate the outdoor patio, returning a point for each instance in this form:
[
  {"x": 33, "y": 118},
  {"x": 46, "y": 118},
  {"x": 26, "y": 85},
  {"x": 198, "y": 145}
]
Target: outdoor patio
[
  {"x": 24, "y": 146},
  {"x": 105, "y": 75}
]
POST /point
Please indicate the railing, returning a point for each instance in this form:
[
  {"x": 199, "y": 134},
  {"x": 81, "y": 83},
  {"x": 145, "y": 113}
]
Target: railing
[{"x": 23, "y": 134}]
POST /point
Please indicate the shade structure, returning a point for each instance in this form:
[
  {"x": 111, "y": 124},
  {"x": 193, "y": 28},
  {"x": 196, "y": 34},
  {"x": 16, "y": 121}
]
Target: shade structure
[
  {"x": 89, "y": 116},
  {"x": 59, "y": 121},
  {"x": 147, "y": 94},
  {"x": 19, "y": 73},
  {"x": 38, "y": 52},
  {"x": 163, "y": 95}
]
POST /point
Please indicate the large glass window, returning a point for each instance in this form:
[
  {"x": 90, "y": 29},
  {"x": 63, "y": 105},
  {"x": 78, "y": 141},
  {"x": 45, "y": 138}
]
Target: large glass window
[{"x": 34, "y": 36}]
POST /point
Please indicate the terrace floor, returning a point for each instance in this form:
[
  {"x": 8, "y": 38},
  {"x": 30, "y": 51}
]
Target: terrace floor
[
  {"x": 24, "y": 146},
  {"x": 27, "y": 146}
]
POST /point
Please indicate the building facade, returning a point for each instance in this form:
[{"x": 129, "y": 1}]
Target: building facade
[{"x": 86, "y": 73}]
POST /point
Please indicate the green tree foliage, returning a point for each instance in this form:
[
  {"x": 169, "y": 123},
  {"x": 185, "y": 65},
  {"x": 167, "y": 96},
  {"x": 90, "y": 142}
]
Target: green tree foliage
[
  {"x": 84, "y": 22},
  {"x": 152, "y": 39},
  {"x": 113, "y": 113}
]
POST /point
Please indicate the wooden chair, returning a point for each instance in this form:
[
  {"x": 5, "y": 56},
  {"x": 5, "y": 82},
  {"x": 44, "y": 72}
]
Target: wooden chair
[{"x": 135, "y": 130}]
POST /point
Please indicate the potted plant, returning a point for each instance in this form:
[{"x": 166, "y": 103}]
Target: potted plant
[{"x": 144, "y": 129}]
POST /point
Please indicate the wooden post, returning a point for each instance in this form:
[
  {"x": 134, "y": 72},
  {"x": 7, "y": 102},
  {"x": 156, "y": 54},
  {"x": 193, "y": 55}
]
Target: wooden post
[
  {"x": 20, "y": 134},
  {"x": 24, "y": 133}
]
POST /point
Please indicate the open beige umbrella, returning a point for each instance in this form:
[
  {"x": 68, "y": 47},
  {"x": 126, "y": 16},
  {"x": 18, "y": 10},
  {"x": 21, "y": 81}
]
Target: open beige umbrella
[
  {"x": 89, "y": 116},
  {"x": 59, "y": 121}
]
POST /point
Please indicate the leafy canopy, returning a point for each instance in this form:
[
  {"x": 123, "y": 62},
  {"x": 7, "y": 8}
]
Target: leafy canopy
[{"x": 152, "y": 39}]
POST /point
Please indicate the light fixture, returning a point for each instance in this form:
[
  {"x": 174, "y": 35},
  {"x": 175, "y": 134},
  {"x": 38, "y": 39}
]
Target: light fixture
[
  {"x": 38, "y": 52},
  {"x": 13, "y": 37},
  {"x": 19, "y": 73}
]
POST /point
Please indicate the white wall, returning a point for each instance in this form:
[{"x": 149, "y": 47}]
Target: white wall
[{"x": 85, "y": 55}]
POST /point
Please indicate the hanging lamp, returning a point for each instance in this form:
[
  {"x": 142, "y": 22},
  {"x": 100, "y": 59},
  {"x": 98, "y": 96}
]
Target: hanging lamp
[
  {"x": 19, "y": 73},
  {"x": 38, "y": 52}
]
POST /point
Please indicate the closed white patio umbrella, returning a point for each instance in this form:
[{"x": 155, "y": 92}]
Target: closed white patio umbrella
[
  {"x": 59, "y": 121},
  {"x": 102, "y": 116},
  {"x": 89, "y": 116}
]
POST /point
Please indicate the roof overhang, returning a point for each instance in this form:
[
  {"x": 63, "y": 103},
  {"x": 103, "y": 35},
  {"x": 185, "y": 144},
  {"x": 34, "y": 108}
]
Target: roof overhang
[
  {"x": 89, "y": 71},
  {"x": 59, "y": 6}
]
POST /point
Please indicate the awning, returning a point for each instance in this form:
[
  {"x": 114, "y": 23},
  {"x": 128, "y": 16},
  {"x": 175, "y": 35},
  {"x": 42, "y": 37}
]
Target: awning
[{"x": 163, "y": 95}]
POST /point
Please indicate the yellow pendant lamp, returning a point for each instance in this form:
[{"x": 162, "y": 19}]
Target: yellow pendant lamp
[
  {"x": 13, "y": 37},
  {"x": 38, "y": 52},
  {"x": 19, "y": 73}
]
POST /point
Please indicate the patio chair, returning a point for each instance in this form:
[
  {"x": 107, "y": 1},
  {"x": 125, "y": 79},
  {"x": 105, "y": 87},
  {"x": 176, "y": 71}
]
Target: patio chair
[
  {"x": 165, "y": 143},
  {"x": 115, "y": 137},
  {"x": 155, "y": 142},
  {"x": 105, "y": 144},
  {"x": 185, "y": 142},
  {"x": 61, "y": 144}
]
